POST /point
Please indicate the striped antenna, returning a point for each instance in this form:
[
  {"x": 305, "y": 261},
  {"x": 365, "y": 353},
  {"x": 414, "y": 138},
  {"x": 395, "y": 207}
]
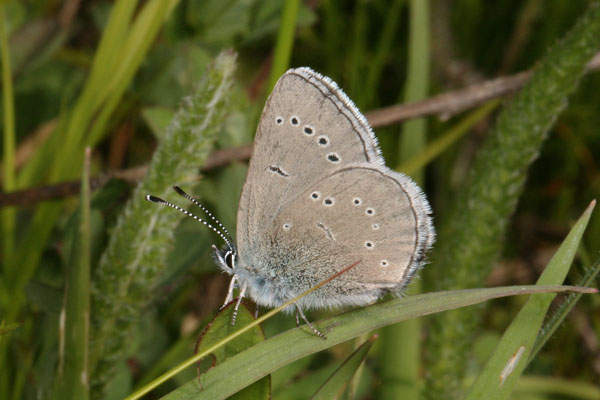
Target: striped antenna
[
  {"x": 158, "y": 200},
  {"x": 196, "y": 202}
]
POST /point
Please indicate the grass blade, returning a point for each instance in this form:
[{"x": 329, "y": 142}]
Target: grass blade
[
  {"x": 68, "y": 156},
  {"x": 471, "y": 234},
  {"x": 8, "y": 157},
  {"x": 72, "y": 381},
  {"x": 337, "y": 382},
  {"x": 245, "y": 368},
  {"x": 561, "y": 313},
  {"x": 401, "y": 356},
  {"x": 502, "y": 371},
  {"x": 285, "y": 42},
  {"x": 447, "y": 139}
]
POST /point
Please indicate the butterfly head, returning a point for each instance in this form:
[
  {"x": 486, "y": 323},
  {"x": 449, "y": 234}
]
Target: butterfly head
[{"x": 225, "y": 258}]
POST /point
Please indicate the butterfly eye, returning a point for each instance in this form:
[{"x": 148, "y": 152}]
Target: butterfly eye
[{"x": 229, "y": 256}]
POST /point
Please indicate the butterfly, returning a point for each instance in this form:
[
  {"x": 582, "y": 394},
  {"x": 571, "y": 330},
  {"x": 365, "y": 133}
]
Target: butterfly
[{"x": 318, "y": 198}]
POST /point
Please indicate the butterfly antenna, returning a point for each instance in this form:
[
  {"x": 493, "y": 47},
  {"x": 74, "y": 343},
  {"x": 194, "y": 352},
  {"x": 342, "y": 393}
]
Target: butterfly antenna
[
  {"x": 158, "y": 200},
  {"x": 196, "y": 202}
]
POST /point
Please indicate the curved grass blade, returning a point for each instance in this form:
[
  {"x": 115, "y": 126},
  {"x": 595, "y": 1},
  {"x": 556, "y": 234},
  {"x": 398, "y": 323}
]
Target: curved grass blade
[
  {"x": 244, "y": 368},
  {"x": 502, "y": 371}
]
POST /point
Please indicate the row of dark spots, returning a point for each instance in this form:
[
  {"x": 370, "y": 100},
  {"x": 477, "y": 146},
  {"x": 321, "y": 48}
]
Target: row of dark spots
[
  {"x": 357, "y": 201},
  {"x": 309, "y": 131}
]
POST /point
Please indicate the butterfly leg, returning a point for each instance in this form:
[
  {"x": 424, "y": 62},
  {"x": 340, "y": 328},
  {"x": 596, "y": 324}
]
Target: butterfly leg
[
  {"x": 237, "y": 305},
  {"x": 229, "y": 297},
  {"x": 297, "y": 317},
  {"x": 315, "y": 330}
]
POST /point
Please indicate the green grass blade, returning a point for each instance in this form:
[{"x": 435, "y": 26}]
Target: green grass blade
[
  {"x": 73, "y": 372},
  {"x": 356, "y": 33},
  {"x": 285, "y": 42},
  {"x": 140, "y": 37},
  {"x": 73, "y": 123},
  {"x": 245, "y": 368},
  {"x": 535, "y": 387},
  {"x": 414, "y": 131},
  {"x": 382, "y": 53},
  {"x": 447, "y": 139},
  {"x": 142, "y": 238},
  {"x": 401, "y": 353},
  {"x": 560, "y": 314},
  {"x": 337, "y": 382},
  {"x": 68, "y": 156},
  {"x": 8, "y": 156},
  {"x": 497, "y": 380},
  {"x": 471, "y": 234}
]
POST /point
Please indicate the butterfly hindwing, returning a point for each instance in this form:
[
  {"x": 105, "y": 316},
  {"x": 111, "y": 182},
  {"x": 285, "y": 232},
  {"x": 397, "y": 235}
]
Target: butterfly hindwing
[{"x": 365, "y": 213}]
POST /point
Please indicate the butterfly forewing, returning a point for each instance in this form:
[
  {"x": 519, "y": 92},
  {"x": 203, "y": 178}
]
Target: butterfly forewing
[{"x": 308, "y": 129}]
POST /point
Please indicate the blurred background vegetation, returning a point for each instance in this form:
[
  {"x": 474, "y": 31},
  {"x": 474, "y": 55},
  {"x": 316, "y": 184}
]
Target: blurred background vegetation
[{"x": 79, "y": 78}]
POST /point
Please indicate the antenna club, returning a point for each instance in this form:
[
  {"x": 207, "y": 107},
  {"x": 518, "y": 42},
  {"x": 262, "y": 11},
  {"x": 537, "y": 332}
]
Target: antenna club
[
  {"x": 154, "y": 199},
  {"x": 180, "y": 191}
]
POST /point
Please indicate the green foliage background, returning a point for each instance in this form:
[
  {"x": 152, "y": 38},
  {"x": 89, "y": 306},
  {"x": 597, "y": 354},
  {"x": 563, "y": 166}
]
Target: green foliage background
[{"x": 113, "y": 76}]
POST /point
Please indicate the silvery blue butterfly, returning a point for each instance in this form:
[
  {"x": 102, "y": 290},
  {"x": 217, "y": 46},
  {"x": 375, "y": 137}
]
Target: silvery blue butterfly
[{"x": 318, "y": 198}]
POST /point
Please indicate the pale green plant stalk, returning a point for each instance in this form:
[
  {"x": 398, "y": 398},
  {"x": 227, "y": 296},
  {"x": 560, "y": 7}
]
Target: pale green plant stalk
[
  {"x": 401, "y": 355},
  {"x": 8, "y": 159},
  {"x": 125, "y": 278},
  {"x": 357, "y": 50},
  {"x": 8, "y": 184},
  {"x": 285, "y": 42},
  {"x": 471, "y": 236},
  {"x": 384, "y": 46},
  {"x": 72, "y": 378}
]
